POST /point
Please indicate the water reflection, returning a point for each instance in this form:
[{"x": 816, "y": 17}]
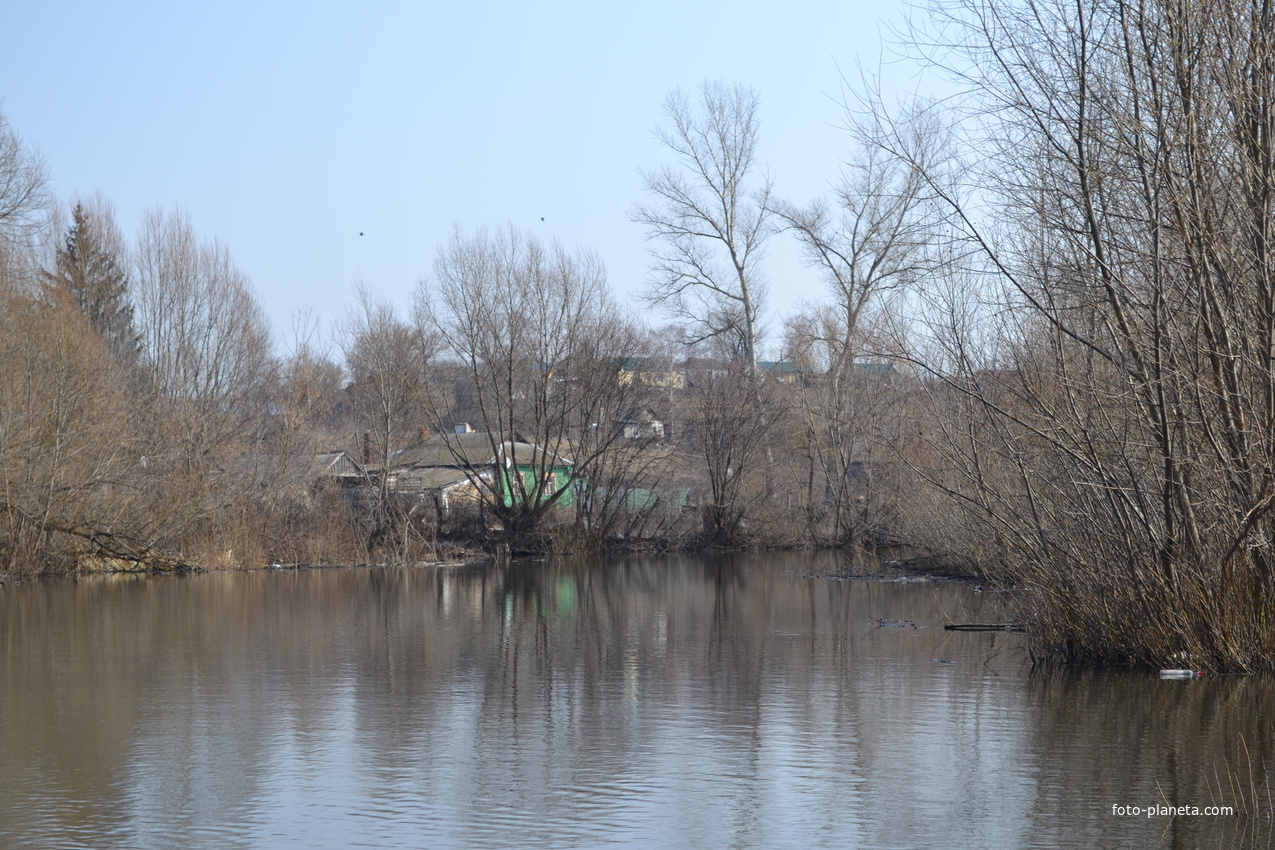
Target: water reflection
[{"x": 742, "y": 701}]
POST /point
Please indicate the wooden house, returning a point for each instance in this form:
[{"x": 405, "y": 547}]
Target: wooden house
[
  {"x": 641, "y": 425},
  {"x": 473, "y": 465},
  {"x": 335, "y": 466}
]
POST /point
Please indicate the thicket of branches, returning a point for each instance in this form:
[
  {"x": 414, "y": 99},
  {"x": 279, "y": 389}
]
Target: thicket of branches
[{"x": 1101, "y": 421}]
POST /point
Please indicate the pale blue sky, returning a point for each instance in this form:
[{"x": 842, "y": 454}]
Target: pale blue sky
[{"x": 286, "y": 129}]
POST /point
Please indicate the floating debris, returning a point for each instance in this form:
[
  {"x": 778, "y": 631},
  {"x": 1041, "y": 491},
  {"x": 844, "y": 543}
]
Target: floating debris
[
  {"x": 985, "y": 627},
  {"x": 1180, "y": 674}
]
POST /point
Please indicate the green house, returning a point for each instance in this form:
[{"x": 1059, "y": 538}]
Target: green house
[{"x": 522, "y": 464}]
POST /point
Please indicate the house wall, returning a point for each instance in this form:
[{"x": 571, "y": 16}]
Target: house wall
[{"x": 528, "y": 475}]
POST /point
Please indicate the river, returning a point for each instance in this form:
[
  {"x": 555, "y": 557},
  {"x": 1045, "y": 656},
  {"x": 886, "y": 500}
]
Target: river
[{"x": 745, "y": 701}]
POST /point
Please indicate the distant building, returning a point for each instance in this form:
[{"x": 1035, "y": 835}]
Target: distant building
[
  {"x": 641, "y": 425},
  {"x": 336, "y": 465},
  {"x": 882, "y": 372},
  {"x": 650, "y": 371},
  {"x": 471, "y": 464},
  {"x": 783, "y": 371}
]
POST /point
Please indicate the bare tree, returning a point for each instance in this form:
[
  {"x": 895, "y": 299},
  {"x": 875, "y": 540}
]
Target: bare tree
[
  {"x": 307, "y": 515},
  {"x": 387, "y": 360},
  {"x": 311, "y": 383},
  {"x": 68, "y": 495},
  {"x": 876, "y": 241},
  {"x": 205, "y": 338},
  {"x": 24, "y": 195},
  {"x": 707, "y": 219},
  {"x": 729, "y": 431},
  {"x": 536, "y": 334},
  {"x": 207, "y": 356}
]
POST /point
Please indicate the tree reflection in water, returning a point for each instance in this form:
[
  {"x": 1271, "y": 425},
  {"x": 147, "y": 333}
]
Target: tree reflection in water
[{"x": 741, "y": 701}]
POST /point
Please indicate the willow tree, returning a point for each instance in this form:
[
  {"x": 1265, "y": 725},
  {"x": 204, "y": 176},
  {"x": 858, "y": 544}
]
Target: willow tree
[
  {"x": 66, "y": 446},
  {"x": 533, "y": 331},
  {"x": 206, "y": 354}
]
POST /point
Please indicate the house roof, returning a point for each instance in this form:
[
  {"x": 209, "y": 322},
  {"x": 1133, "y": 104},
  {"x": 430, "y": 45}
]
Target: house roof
[
  {"x": 644, "y": 416},
  {"x": 338, "y": 464},
  {"x": 473, "y": 450},
  {"x": 780, "y": 367},
  {"x": 430, "y": 478},
  {"x": 875, "y": 367}
]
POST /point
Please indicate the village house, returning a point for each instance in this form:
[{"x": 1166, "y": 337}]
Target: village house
[
  {"x": 641, "y": 425},
  {"x": 334, "y": 472},
  {"x": 465, "y": 468}
]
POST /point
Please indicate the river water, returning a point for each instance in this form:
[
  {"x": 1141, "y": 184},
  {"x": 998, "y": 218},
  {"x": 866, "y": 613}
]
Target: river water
[{"x": 765, "y": 701}]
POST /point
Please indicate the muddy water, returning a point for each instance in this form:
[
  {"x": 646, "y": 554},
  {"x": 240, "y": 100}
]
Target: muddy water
[{"x": 747, "y": 701}]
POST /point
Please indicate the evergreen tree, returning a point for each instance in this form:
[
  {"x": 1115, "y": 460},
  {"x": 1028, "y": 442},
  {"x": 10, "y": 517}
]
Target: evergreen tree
[{"x": 90, "y": 273}]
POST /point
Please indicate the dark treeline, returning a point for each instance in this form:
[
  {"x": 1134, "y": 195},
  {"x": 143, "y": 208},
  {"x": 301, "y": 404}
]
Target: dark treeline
[{"x": 1047, "y": 354}]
